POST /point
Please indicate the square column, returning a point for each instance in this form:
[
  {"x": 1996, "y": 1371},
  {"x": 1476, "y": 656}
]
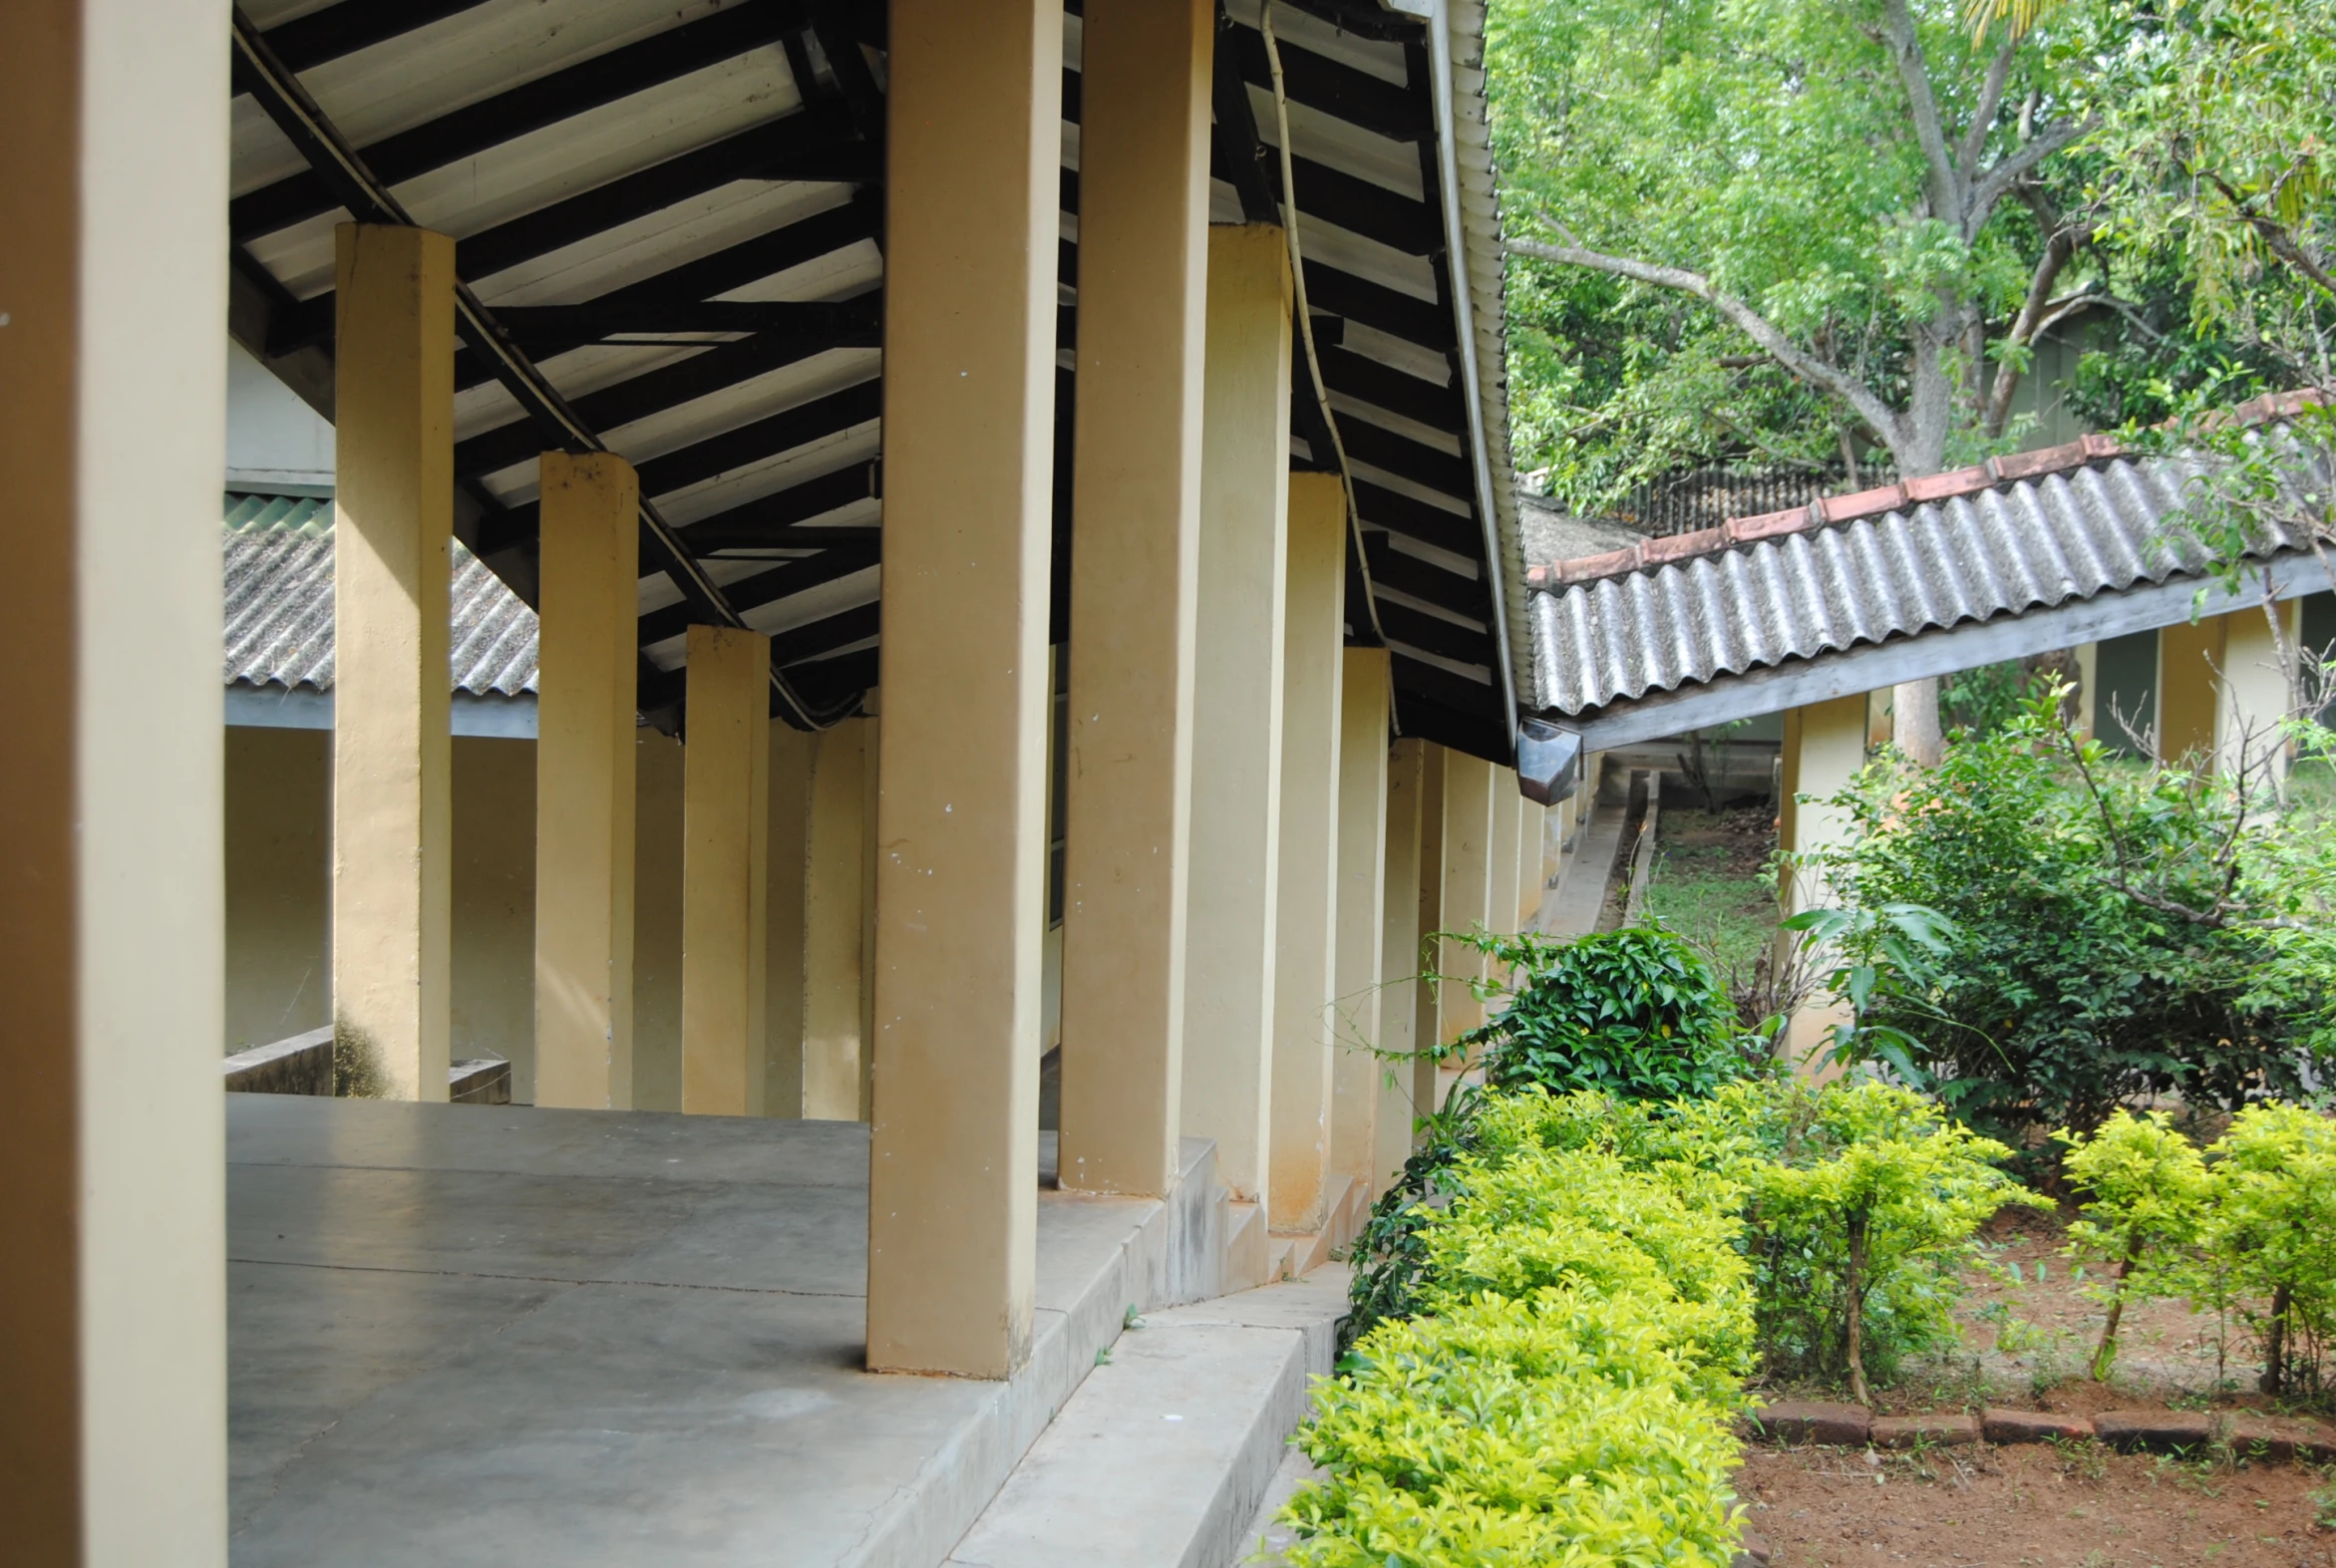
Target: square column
[
  {"x": 2254, "y": 693},
  {"x": 2189, "y": 654},
  {"x": 724, "y": 871},
  {"x": 1306, "y": 917},
  {"x": 1357, "y": 1013},
  {"x": 2218, "y": 677},
  {"x": 393, "y": 532},
  {"x": 1533, "y": 848},
  {"x": 586, "y": 770},
  {"x": 1135, "y": 565},
  {"x": 1399, "y": 958},
  {"x": 972, "y": 197},
  {"x": 1824, "y": 747},
  {"x": 1427, "y": 954},
  {"x": 1467, "y": 885},
  {"x": 113, "y": 1160},
  {"x": 1235, "y": 840},
  {"x": 1501, "y": 905},
  {"x": 834, "y": 846}
]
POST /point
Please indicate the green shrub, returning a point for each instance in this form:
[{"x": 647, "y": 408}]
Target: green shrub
[
  {"x": 1563, "y": 1397},
  {"x": 2147, "y": 1196},
  {"x": 2271, "y": 1224},
  {"x": 1636, "y": 1012},
  {"x": 2117, "y": 933},
  {"x": 1860, "y": 1215}
]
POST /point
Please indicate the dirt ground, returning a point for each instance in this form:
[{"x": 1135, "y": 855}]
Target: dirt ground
[
  {"x": 2081, "y": 1507},
  {"x": 2028, "y": 1330}
]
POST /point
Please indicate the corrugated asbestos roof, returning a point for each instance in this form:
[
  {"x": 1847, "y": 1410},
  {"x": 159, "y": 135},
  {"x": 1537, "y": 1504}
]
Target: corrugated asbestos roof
[
  {"x": 278, "y": 552},
  {"x": 1768, "y": 592},
  {"x": 637, "y": 167}
]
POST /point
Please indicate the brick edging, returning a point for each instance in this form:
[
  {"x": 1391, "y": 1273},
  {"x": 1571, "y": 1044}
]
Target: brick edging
[{"x": 2159, "y": 1431}]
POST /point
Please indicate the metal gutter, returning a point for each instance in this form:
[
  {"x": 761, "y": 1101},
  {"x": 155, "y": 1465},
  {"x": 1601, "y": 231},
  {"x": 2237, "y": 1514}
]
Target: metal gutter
[{"x": 1439, "y": 18}]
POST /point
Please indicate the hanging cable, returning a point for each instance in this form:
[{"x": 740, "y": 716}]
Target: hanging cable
[{"x": 1290, "y": 228}]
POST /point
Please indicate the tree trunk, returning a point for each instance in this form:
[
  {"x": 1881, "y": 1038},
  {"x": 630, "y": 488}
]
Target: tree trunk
[
  {"x": 1915, "y": 722},
  {"x": 2274, "y": 1379},
  {"x": 1853, "y": 1283},
  {"x": 2105, "y": 1355}
]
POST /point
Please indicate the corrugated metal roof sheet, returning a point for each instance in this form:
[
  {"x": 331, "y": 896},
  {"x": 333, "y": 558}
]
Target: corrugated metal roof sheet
[
  {"x": 2038, "y": 541},
  {"x": 640, "y": 153},
  {"x": 277, "y": 554}
]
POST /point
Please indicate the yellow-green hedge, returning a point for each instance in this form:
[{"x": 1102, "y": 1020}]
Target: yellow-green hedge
[{"x": 1564, "y": 1398}]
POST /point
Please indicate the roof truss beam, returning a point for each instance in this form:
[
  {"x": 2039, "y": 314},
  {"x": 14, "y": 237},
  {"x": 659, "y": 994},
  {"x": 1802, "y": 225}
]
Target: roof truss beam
[{"x": 562, "y": 95}]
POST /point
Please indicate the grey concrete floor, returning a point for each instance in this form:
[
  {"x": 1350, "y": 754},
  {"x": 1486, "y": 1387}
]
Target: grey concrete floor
[{"x": 464, "y": 1334}]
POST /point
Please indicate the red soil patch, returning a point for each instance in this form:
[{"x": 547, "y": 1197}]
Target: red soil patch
[{"x": 2079, "y": 1508}]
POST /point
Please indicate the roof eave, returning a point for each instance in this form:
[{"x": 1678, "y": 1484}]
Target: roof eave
[{"x": 1550, "y": 739}]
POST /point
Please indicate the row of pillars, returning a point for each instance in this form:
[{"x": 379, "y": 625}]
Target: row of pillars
[{"x": 1238, "y": 891}]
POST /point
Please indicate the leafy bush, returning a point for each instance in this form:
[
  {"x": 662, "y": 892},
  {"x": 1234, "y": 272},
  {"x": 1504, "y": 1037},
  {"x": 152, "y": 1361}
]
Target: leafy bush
[
  {"x": 2148, "y": 1194},
  {"x": 2250, "y": 1226},
  {"x": 1636, "y": 1012},
  {"x": 2271, "y": 1222},
  {"x": 2117, "y": 933},
  {"x": 1861, "y": 1215},
  {"x": 1563, "y": 1396}
]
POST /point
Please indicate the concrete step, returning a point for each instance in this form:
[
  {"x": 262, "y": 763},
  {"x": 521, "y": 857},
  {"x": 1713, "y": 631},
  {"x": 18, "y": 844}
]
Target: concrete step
[
  {"x": 1246, "y": 1248},
  {"x": 1268, "y": 1537},
  {"x": 1161, "y": 1458}
]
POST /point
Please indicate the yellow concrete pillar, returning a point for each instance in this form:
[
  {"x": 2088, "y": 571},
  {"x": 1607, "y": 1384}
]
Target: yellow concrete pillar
[
  {"x": 657, "y": 812},
  {"x": 818, "y": 863},
  {"x": 1236, "y": 704},
  {"x": 1306, "y": 914},
  {"x": 1824, "y": 747},
  {"x": 1356, "y": 1016},
  {"x": 1399, "y": 959},
  {"x": 393, "y": 532},
  {"x": 975, "y": 108},
  {"x": 586, "y": 767},
  {"x": 1468, "y": 884},
  {"x": 725, "y": 861},
  {"x": 2254, "y": 694},
  {"x": 1533, "y": 849},
  {"x": 1135, "y": 564},
  {"x": 835, "y": 866},
  {"x": 2088, "y": 689},
  {"x": 113, "y": 1322},
  {"x": 2189, "y": 654},
  {"x": 1427, "y": 954},
  {"x": 1502, "y": 900}
]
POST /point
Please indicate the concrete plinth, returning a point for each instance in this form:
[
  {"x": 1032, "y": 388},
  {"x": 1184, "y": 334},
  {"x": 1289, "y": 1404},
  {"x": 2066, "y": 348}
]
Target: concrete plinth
[{"x": 483, "y": 1335}]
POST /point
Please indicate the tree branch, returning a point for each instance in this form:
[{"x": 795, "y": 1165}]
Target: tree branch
[
  {"x": 1946, "y": 182},
  {"x": 2059, "y": 247},
  {"x": 1999, "y": 75},
  {"x": 1999, "y": 180},
  {"x": 1750, "y": 322}
]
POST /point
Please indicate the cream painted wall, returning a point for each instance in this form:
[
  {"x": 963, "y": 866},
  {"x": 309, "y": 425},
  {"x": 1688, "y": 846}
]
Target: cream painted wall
[
  {"x": 279, "y": 885},
  {"x": 279, "y": 846},
  {"x": 493, "y": 896}
]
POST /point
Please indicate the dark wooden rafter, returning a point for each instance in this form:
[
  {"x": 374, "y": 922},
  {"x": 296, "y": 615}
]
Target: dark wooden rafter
[
  {"x": 821, "y": 234},
  {"x": 548, "y": 99},
  {"x": 653, "y": 391},
  {"x": 1432, "y": 634},
  {"x": 367, "y": 198},
  {"x": 832, "y": 23},
  {"x": 757, "y": 590},
  {"x": 309, "y": 41},
  {"x": 1237, "y": 154},
  {"x": 803, "y": 146},
  {"x": 1424, "y": 580}
]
